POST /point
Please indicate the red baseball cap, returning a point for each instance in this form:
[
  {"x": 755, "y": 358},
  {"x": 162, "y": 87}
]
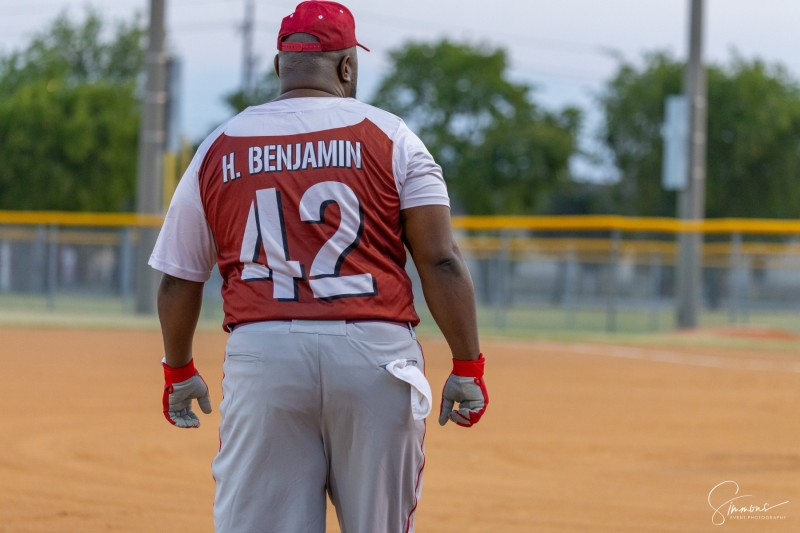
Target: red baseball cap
[{"x": 330, "y": 22}]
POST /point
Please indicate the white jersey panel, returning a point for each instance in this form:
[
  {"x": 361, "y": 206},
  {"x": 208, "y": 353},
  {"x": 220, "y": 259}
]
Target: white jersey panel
[
  {"x": 185, "y": 247},
  {"x": 419, "y": 178}
]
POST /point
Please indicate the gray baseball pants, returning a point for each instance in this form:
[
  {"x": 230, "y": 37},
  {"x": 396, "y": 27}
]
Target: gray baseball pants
[{"x": 309, "y": 407}]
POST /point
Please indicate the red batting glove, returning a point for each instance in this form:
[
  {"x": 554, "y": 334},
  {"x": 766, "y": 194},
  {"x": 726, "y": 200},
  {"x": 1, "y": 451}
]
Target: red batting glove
[
  {"x": 181, "y": 386},
  {"x": 467, "y": 387}
]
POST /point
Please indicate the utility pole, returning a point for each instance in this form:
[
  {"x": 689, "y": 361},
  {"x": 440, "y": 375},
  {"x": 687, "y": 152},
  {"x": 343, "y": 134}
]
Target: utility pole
[
  {"x": 150, "y": 167},
  {"x": 691, "y": 200},
  {"x": 248, "y": 57}
]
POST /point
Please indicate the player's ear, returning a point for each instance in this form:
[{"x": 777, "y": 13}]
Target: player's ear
[
  {"x": 277, "y": 65},
  {"x": 345, "y": 69}
]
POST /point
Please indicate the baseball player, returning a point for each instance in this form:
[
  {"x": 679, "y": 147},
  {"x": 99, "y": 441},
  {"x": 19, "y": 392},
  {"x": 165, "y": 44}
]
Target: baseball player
[{"x": 305, "y": 204}]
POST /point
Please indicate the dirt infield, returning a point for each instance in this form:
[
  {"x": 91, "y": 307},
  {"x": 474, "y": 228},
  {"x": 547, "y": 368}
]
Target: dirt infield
[{"x": 578, "y": 437}]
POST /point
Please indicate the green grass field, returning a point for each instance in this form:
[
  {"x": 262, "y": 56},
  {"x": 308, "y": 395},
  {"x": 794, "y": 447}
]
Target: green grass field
[{"x": 522, "y": 323}]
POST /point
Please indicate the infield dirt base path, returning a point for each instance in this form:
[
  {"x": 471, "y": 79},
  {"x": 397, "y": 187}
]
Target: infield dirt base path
[{"x": 577, "y": 438}]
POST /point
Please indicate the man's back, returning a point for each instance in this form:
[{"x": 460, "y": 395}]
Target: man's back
[{"x": 303, "y": 200}]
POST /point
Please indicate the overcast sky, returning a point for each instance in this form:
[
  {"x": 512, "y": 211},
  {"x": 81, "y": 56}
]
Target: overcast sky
[{"x": 565, "y": 48}]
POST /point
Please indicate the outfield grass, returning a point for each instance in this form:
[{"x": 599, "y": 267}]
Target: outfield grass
[
  {"x": 522, "y": 323},
  {"x": 72, "y": 311}
]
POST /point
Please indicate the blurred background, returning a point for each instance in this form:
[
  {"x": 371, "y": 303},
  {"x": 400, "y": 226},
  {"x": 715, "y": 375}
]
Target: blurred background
[{"x": 549, "y": 118}]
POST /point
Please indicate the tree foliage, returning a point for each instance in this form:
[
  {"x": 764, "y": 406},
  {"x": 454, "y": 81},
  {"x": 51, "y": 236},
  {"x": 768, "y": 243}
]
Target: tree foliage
[
  {"x": 753, "y": 168},
  {"x": 498, "y": 149},
  {"x": 265, "y": 89},
  {"x": 69, "y": 117}
]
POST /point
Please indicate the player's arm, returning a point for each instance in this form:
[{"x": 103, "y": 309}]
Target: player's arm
[
  {"x": 179, "y": 303},
  {"x": 446, "y": 281},
  {"x": 185, "y": 253},
  {"x": 450, "y": 296}
]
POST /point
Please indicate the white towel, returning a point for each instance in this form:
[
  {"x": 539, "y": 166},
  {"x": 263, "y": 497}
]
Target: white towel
[{"x": 421, "y": 396}]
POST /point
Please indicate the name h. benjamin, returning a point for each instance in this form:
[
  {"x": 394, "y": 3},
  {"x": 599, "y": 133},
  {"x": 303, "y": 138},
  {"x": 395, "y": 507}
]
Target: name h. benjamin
[{"x": 296, "y": 156}]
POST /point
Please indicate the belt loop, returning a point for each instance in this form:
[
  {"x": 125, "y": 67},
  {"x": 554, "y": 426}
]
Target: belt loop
[{"x": 411, "y": 329}]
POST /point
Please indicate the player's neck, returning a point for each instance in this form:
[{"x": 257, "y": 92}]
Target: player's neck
[{"x": 306, "y": 93}]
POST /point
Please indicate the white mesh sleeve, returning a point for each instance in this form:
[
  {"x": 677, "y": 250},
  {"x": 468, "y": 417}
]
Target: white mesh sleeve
[
  {"x": 185, "y": 247},
  {"x": 419, "y": 179}
]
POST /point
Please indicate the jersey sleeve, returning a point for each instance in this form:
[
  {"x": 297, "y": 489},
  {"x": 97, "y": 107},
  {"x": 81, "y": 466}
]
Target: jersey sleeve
[
  {"x": 419, "y": 178},
  {"x": 185, "y": 247}
]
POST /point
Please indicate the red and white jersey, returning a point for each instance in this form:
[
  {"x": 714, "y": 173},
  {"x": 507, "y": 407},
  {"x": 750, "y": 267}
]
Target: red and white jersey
[{"x": 298, "y": 202}]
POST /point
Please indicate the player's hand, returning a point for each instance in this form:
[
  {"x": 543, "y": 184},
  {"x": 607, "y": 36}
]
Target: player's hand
[
  {"x": 467, "y": 387},
  {"x": 181, "y": 386}
]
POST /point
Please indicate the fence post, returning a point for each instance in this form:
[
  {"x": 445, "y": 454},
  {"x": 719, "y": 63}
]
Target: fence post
[
  {"x": 571, "y": 288},
  {"x": 52, "y": 266},
  {"x": 745, "y": 297},
  {"x": 655, "y": 290},
  {"x": 5, "y": 266},
  {"x": 37, "y": 258},
  {"x": 735, "y": 277},
  {"x": 125, "y": 264},
  {"x": 613, "y": 282},
  {"x": 501, "y": 284}
]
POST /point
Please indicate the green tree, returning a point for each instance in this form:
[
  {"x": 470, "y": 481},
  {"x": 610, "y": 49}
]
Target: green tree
[
  {"x": 499, "y": 151},
  {"x": 265, "y": 89},
  {"x": 753, "y": 169},
  {"x": 69, "y": 117}
]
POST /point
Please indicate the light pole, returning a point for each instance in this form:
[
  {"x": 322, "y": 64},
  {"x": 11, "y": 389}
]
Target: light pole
[
  {"x": 150, "y": 167},
  {"x": 248, "y": 57},
  {"x": 691, "y": 200}
]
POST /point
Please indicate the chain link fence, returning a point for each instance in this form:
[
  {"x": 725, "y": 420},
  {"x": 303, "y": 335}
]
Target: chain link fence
[{"x": 531, "y": 274}]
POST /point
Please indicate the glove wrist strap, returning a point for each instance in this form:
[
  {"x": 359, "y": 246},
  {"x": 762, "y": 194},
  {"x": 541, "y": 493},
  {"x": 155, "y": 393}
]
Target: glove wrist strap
[
  {"x": 176, "y": 375},
  {"x": 472, "y": 369}
]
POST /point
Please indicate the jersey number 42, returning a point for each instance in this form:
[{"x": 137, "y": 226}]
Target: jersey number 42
[{"x": 266, "y": 229}]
